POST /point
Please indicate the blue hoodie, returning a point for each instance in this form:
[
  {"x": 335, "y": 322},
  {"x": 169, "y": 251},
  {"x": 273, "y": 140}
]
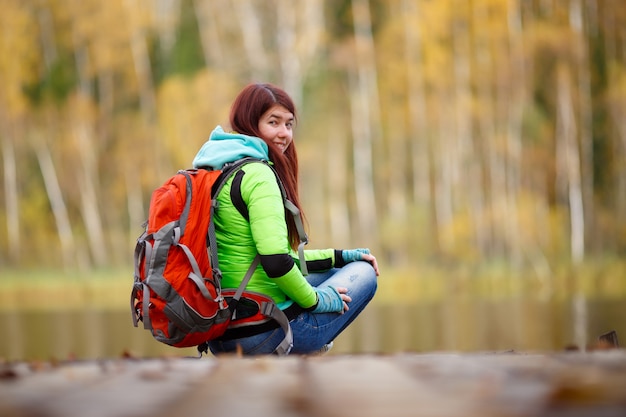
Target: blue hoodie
[{"x": 223, "y": 147}]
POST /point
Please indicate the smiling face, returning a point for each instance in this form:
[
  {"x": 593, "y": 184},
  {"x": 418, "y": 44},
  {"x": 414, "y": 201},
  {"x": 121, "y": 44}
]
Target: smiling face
[{"x": 276, "y": 126}]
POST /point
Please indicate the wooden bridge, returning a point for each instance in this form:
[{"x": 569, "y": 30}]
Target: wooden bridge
[{"x": 438, "y": 384}]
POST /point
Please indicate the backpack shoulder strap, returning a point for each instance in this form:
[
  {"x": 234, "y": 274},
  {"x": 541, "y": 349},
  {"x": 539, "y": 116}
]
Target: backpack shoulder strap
[
  {"x": 235, "y": 195},
  {"x": 227, "y": 171},
  {"x": 240, "y": 205}
]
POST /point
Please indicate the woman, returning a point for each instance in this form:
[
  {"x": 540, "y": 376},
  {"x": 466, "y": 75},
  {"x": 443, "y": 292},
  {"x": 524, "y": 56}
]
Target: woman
[{"x": 341, "y": 282}]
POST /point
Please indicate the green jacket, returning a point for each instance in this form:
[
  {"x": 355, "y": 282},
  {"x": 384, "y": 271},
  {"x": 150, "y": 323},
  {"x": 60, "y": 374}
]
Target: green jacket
[{"x": 239, "y": 240}]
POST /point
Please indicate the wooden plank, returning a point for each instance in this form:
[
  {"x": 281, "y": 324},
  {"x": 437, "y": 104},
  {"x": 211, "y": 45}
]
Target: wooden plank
[
  {"x": 438, "y": 384},
  {"x": 263, "y": 386},
  {"x": 529, "y": 385},
  {"x": 371, "y": 386},
  {"x": 100, "y": 389},
  {"x": 490, "y": 384}
]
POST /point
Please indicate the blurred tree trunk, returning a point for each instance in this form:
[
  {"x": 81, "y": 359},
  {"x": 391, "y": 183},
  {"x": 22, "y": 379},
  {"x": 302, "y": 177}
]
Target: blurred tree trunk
[
  {"x": 251, "y": 30},
  {"x": 46, "y": 162},
  {"x": 466, "y": 170},
  {"x": 492, "y": 172},
  {"x": 161, "y": 166},
  {"x": 513, "y": 99},
  {"x": 207, "y": 13},
  {"x": 337, "y": 183},
  {"x": 522, "y": 72},
  {"x": 20, "y": 37},
  {"x": 418, "y": 127},
  {"x": 614, "y": 36},
  {"x": 398, "y": 234},
  {"x": 585, "y": 111},
  {"x": 57, "y": 203},
  {"x": 88, "y": 184},
  {"x": 88, "y": 180},
  {"x": 286, "y": 48},
  {"x": 11, "y": 198},
  {"x": 298, "y": 39},
  {"x": 416, "y": 101},
  {"x": 167, "y": 17},
  {"x": 442, "y": 148},
  {"x": 134, "y": 201},
  {"x": 445, "y": 155},
  {"x": 141, "y": 61},
  {"x": 568, "y": 162},
  {"x": 617, "y": 108},
  {"x": 365, "y": 121}
]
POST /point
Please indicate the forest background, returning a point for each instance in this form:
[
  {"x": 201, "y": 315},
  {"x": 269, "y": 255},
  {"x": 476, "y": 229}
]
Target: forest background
[{"x": 452, "y": 137}]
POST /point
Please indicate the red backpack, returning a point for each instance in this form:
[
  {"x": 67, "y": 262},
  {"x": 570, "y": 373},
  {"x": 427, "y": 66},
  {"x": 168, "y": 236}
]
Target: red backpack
[{"x": 177, "y": 286}]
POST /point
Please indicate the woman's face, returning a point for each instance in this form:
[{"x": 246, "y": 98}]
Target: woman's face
[{"x": 276, "y": 126}]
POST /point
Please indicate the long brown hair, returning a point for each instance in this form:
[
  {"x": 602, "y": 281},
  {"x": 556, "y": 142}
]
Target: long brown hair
[{"x": 251, "y": 103}]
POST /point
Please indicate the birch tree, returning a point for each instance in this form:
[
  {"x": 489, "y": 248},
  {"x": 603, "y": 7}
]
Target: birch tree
[
  {"x": 521, "y": 62},
  {"x": 18, "y": 59},
  {"x": 298, "y": 38},
  {"x": 443, "y": 151},
  {"x": 166, "y": 18},
  {"x": 252, "y": 38},
  {"x": 10, "y": 192},
  {"x": 464, "y": 169},
  {"x": 419, "y": 127},
  {"x": 286, "y": 40},
  {"x": 57, "y": 202},
  {"x": 486, "y": 128},
  {"x": 88, "y": 181},
  {"x": 141, "y": 60},
  {"x": 617, "y": 108},
  {"x": 612, "y": 19},
  {"x": 513, "y": 99},
  {"x": 416, "y": 100},
  {"x": 584, "y": 116},
  {"x": 393, "y": 214},
  {"x": 207, "y": 13},
  {"x": 137, "y": 23},
  {"x": 337, "y": 186},
  {"x": 365, "y": 120},
  {"x": 568, "y": 159}
]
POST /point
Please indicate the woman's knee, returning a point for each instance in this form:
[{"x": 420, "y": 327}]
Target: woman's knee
[
  {"x": 366, "y": 276},
  {"x": 366, "y": 269}
]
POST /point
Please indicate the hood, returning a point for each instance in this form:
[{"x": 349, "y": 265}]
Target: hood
[{"x": 223, "y": 147}]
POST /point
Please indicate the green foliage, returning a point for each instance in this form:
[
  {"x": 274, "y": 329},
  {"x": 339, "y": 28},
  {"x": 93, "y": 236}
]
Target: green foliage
[
  {"x": 186, "y": 57},
  {"x": 56, "y": 83},
  {"x": 460, "y": 103},
  {"x": 340, "y": 17}
]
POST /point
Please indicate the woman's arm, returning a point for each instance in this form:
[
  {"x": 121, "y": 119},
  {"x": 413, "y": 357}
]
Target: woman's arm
[{"x": 263, "y": 198}]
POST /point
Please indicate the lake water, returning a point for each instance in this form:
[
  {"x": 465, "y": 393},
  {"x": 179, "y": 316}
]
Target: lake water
[{"x": 463, "y": 325}]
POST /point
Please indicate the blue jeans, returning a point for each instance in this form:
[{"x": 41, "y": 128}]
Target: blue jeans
[{"x": 312, "y": 331}]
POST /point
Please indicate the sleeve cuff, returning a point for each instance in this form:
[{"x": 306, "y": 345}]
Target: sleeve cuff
[
  {"x": 339, "y": 262},
  {"x": 314, "y": 306}
]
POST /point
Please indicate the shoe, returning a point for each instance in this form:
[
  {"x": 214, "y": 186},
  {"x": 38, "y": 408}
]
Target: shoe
[{"x": 324, "y": 349}]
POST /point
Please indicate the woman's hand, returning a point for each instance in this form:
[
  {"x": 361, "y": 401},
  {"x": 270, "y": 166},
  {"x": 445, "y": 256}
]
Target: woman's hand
[
  {"x": 360, "y": 254},
  {"x": 331, "y": 300},
  {"x": 343, "y": 293},
  {"x": 372, "y": 260}
]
